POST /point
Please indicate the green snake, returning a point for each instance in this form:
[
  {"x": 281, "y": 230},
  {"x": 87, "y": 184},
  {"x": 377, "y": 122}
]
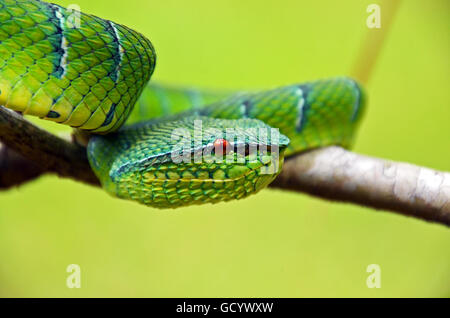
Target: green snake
[{"x": 92, "y": 74}]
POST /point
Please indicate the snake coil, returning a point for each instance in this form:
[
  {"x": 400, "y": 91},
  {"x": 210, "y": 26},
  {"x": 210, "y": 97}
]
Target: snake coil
[{"x": 89, "y": 73}]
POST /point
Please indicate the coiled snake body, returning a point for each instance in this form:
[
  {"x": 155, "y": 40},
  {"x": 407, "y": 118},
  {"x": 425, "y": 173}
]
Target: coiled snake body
[{"x": 90, "y": 73}]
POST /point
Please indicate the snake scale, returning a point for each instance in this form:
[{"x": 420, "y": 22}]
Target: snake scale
[{"x": 92, "y": 74}]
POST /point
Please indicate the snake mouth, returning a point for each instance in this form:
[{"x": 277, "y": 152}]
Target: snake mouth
[{"x": 208, "y": 167}]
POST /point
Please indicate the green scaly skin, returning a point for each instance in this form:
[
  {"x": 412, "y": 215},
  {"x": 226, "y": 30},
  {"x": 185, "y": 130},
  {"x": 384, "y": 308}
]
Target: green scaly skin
[{"x": 90, "y": 77}]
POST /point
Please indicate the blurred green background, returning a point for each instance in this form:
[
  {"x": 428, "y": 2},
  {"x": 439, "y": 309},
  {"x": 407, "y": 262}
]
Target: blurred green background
[{"x": 274, "y": 244}]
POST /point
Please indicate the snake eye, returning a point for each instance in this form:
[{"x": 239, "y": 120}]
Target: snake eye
[{"x": 222, "y": 144}]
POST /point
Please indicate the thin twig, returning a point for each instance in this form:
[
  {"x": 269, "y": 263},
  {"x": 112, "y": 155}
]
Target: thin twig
[{"x": 373, "y": 43}]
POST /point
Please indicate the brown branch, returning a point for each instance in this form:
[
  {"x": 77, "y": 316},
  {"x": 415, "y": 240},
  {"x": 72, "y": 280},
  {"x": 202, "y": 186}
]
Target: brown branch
[
  {"x": 330, "y": 173},
  {"x": 336, "y": 174},
  {"x": 49, "y": 152},
  {"x": 16, "y": 169}
]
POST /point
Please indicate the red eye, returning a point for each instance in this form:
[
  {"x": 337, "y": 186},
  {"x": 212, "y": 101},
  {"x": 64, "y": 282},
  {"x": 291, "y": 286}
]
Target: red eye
[{"x": 221, "y": 144}]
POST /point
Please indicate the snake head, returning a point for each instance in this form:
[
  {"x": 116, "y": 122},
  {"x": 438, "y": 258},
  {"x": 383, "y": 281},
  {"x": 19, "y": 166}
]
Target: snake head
[{"x": 193, "y": 160}]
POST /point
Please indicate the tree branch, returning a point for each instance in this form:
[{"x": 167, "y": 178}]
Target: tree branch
[
  {"x": 49, "y": 152},
  {"x": 16, "y": 169},
  {"x": 330, "y": 173},
  {"x": 336, "y": 174}
]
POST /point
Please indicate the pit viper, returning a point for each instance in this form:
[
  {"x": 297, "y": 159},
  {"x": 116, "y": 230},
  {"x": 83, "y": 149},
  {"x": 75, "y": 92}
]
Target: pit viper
[{"x": 159, "y": 145}]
